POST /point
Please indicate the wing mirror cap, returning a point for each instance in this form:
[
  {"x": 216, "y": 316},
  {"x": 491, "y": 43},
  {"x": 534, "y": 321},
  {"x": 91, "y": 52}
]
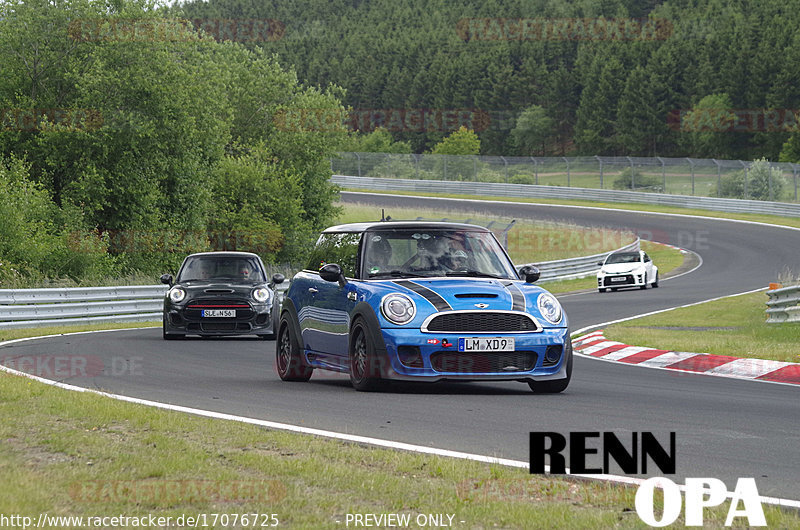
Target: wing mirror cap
[
  {"x": 331, "y": 272},
  {"x": 529, "y": 273},
  {"x": 166, "y": 279}
]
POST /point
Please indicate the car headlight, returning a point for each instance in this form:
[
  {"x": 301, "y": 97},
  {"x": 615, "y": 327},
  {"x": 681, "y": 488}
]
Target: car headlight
[
  {"x": 549, "y": 308},
  {"x": 398, "y": 308},
  {"x": 261, "y": 295},
  {"x": 176, "y": 295}
]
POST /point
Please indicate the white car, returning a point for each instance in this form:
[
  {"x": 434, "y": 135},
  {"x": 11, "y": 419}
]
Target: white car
[{"x": 627, "y": 269}]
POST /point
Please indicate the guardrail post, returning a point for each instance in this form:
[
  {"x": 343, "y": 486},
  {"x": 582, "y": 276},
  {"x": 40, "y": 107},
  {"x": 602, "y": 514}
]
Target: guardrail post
[
  {"x": 567, "y": 161},
  {"x": 691, "y": 164}
]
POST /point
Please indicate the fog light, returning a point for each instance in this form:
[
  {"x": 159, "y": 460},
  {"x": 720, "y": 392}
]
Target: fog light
[
  {"x": 552, "y": 355},
  {"x": 410, "y": 356}
]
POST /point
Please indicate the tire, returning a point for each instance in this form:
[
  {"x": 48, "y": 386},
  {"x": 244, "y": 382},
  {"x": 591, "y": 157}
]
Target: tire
[
  {"x": 553, "y": 387},
  {"x": 289, "y": 360},
  {"x": 267, "y": 336},
  {"x": 365, "y": 367},
  {"x": 655, "y": 283},
  {"x": 601, "y": 290},
  {"x": 614, "y": 289},
  {"x": 170, "y": 336},
  {"x": 644, "y": 285}
]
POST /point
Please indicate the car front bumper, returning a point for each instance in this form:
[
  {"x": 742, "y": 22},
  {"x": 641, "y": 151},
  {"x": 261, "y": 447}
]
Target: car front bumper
[
  {"x": 180, "y": 319},
  {"x": 413, "y": 358}
]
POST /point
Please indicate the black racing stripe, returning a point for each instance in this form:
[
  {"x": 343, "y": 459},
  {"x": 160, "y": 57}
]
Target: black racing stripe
[
  {"x": 431, "y": 296},
  {"x": 517, "y": 297}
]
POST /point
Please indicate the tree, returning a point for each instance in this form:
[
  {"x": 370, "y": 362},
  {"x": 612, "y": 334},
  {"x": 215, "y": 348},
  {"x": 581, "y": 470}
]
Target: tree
[
  {"x": 708, "y": 129},
  {"x": 534, "y": 127},
  {"x": 461, "y": 142}
]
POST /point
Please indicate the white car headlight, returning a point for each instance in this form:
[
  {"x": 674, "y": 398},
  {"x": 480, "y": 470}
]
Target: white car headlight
[
  {"x": 261, "y": 295},
  {"x": 176, "y": 295},
  {"x": 398, "y": 308},
  {"x": 549, "y": 308}
]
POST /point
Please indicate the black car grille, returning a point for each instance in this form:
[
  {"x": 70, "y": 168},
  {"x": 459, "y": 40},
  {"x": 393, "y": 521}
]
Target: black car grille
[
  {"x": 483, "y": 362},
  {"x": 243, "y": 309},
  {"x": 481, "y": 322},
  {"x": 608, "y": 283},
  {"x": 219, "y": 326}
]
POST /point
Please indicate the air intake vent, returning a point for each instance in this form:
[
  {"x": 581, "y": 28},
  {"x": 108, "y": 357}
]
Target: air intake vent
[{"x": 476, "y": 295}]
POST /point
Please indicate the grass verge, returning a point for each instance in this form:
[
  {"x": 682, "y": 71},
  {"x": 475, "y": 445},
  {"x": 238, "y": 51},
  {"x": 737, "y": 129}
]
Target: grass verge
[
  {"x": 732, "y": 326},
  {"x": 78, "y": 454},
  {"x": 10, "y": 334}
]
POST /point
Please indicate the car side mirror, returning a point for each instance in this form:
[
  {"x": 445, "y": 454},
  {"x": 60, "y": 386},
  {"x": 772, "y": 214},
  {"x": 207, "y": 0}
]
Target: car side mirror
[
  {"x": 166, "y": 279},
  {"x": 529, "y": 273},
  {"x": 599, "y": 263},
  {"x": 278, "y": 278},
  {"x": 332, "y": 272}
]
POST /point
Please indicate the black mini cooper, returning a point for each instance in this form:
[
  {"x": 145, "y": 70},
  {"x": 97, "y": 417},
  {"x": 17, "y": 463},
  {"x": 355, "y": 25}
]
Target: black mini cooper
[{"x": 220, "y": 293}]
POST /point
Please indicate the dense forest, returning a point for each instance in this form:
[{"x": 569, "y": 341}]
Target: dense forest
[{"x": 618, "y": 94}]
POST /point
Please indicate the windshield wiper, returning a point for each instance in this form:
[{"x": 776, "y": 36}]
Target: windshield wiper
[
  {"x": 397, "y": 274},
  {"x": 475, "y": 274}
]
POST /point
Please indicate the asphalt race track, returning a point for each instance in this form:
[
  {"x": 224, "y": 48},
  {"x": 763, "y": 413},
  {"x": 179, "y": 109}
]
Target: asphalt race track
[{"x": 724, "y": 428}]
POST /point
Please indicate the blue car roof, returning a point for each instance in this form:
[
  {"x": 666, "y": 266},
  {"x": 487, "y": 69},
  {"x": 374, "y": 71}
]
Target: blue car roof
[{"x": 413, "y": 225}]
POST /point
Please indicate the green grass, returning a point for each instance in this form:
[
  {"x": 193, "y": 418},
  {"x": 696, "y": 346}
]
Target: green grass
[
  {"x": 644, "y": 208},
  {"x": 750, "y": 335},
  {"x": 528, "y": 241},
  {"x": 10, "y": 334},
  {"x": 69, "y": 453}
]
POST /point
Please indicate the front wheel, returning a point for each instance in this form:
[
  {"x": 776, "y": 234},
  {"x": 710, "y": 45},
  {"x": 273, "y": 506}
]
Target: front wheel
[
  {"x": 289, "y": 360},
  {"x": 169, "y": 336},
  {"x": 655, "y": 283},
  {"x": 365, "y": 372},
  {"x": 553, "y": 387}
]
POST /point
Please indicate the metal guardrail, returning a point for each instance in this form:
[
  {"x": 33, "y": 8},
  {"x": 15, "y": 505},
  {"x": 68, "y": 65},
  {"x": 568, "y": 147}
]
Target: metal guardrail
[
  {"x": 783, "y": 305},
  {"x": 773, "y": 181},
  {"x": 27, "y": 308},
  {"x": 558, "y": 192},
  {"x": 567, "y": 269}
]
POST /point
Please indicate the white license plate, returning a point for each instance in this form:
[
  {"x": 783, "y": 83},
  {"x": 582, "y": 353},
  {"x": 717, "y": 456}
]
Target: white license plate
[
  {"x": 618, "y": 279},
  {"x": 224, "y": 313},
  {"x": 485, "y": 344}
]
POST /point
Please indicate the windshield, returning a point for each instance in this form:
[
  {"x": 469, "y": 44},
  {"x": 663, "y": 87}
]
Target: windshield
[
  {"x": 623, "y": 257},
  {"x": 222, "y": 268},
  {"x": 427, "y": 253}
]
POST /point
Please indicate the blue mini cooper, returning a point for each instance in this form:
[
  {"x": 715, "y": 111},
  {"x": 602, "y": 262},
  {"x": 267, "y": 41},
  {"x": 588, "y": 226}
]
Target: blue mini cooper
[{"x": 421, "y": 301}]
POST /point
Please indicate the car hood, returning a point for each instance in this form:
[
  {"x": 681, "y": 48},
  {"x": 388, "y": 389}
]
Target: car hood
[
  {"x": 619, "y": 268},
  {"x": 219, "y": 289},
  {"x": 472, "y": 293}
]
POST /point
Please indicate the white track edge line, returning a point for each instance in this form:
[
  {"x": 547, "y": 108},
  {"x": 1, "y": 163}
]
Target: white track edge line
[{"x": 389, "y": 444}]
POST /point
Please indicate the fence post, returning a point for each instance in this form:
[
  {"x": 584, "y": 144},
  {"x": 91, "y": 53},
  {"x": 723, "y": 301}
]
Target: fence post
[
  {"x": 444, "y": 177},
  {"x": 505, "y": 162},
  {"x": 505, "y": 233},
  {"x": 536, "y": 173},
  {"x": 719, "y": 176},
  {"x": 745, "y": 177},
  {"x": 794, "y": 174},
  {"x": 663, "y": 174},
  {"x": 358, "y": 157},
  {"x": 475, "y": 168},
  {"x": 567, "y": 161},
  {"x": 691, "y": 164},
  {"x": 769, "y": 181},
  {"x": 600, "y": 162},
  {"x": 633, "y": 179},
  {"x": 416, "y": 165}
]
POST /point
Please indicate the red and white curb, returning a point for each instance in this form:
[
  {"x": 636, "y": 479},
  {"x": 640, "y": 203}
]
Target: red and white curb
[{"x": 596, "y": 345}]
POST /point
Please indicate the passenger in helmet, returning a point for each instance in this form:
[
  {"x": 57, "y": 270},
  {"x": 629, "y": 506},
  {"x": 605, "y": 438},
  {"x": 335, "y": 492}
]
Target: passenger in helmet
[{"x": 378, "y": 255}]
